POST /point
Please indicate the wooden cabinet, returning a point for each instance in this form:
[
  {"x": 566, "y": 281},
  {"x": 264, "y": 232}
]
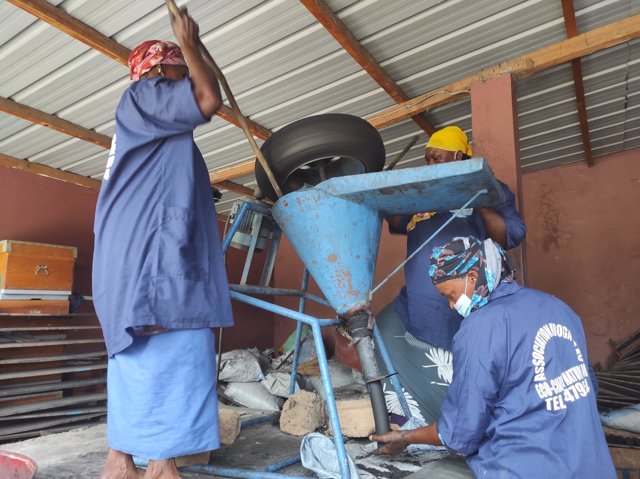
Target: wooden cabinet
[{"x": 36, "y": 266}]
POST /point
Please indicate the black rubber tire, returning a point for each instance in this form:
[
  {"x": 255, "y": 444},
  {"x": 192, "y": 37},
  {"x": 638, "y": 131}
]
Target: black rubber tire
[{"x": 317, "y": 148}]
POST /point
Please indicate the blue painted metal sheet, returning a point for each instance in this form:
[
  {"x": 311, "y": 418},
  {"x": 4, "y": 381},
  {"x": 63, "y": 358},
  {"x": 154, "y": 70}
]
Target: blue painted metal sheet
[{"x": 442, "y": 187}]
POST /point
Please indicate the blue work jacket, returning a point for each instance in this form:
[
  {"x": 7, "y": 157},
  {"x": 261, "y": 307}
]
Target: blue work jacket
[
  {"x": 424, "y": 312},
  {"x": 157, "y": 258},
  {"x": 522, "y": 403}
]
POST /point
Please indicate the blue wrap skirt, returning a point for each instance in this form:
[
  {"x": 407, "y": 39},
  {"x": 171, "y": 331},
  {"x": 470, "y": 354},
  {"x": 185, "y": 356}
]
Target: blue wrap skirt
[{"x": 162, "y": 400}]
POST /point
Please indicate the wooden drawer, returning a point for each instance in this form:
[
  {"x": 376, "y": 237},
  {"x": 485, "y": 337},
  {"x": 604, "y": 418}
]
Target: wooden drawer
[
  {"x": 36, "y": 266},
  {"x": 34, "y": 307}
]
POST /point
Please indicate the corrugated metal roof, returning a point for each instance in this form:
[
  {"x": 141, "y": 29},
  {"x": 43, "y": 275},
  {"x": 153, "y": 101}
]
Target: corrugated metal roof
[{"x": 282, "y": 65}]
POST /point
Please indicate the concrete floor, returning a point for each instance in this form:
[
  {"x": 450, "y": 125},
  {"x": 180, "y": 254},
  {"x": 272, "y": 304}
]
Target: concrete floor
[{"x": 79, "y": 454}]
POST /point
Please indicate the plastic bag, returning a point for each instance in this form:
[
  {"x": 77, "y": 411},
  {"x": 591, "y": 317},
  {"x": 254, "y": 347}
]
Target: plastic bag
[
  {"x": 240, "y": 366},
  {"x": 252, "y": 395}
]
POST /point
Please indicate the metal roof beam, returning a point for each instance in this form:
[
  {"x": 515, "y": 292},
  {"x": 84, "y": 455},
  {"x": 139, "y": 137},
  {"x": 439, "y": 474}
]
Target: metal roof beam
[
  {"x": 7, "y": 161},
  {"x": 571, "y": 26},
  {"x": 54, "y": 122},
  {"x": 353, "y": 47},
  {"x": 547, "y": 57},
  {"x": 64, "y": 22}
]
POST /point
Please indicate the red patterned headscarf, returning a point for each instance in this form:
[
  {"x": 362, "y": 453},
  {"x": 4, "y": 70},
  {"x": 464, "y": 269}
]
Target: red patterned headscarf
[{"x": 151, "y": 53}]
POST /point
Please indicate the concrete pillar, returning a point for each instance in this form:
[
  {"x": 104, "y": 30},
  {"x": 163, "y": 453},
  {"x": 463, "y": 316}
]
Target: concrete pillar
[{"x": 494, "y": 121}]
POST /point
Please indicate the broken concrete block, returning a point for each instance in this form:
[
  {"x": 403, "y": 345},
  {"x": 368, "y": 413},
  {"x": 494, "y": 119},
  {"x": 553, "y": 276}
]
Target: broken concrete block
[
  {"x": 190, "y": 460},
  {"x": 302, "y": 413},
  {"x": 354, "y": 411},
  {"x": 229, "y": 425}
]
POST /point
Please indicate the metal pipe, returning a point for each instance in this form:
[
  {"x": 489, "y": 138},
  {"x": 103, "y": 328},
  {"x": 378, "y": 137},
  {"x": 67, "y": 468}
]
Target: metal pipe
[
  {"x": 234, "y": 227},
  {"x": 401, "y": 155},
  {"x": 265, "y": 290},
  {"x": 298, "y": 344},
  {"x": 282, "y": 311},
  {"x": 372, "y": 376},
  {"x": 282, "y": 464},
  {"x": 330, "y": 401},
  {"x": 392, "y": 373},
  {"x": 225, "y": 471},
  {"x": 360, "y": 326}
]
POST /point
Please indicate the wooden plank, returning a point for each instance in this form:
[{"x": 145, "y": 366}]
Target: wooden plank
[
  {"x": 54, "y": 122},
  {"x": 55, "y": 403},
  {"x": 234, "y": 171},
  {"x": 236, "y": 188},
  {"x": 7, "y": 161},
  {"x": 61, "y": 342},
  {"x": 48, "y": 359},
  {"x": 49, "y": 328},
  {"x": 64, "y": 22},
  {"x": 40, "y": 425},
  {"x": 347, "y": 40},
  {"x": 75, "y": 412},
  {"x": 49, "y": 372},
  {"x": 49, "y": 386},
  {"x": 571, "y": 26},
  {"x": 547, "y": 57}
]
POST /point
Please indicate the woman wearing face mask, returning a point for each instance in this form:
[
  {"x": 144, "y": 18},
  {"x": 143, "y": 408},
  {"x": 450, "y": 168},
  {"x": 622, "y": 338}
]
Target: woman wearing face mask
[{"x": 522, "y": 403}]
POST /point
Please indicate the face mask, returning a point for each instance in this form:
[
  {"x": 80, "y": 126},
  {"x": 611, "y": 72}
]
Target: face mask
[{"x": 463, "y": 305}]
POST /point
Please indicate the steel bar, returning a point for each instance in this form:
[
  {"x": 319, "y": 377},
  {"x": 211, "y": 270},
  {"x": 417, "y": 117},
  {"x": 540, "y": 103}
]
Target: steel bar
[
  {"x": 288, "y": 313},
  {"x": 392, "y": 373},
  {"x": 267, "y": 291},
  {"x": 298, "y": 343}
]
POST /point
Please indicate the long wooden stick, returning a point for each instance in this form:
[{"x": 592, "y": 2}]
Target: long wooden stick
[{"x": 175, "y": 12}]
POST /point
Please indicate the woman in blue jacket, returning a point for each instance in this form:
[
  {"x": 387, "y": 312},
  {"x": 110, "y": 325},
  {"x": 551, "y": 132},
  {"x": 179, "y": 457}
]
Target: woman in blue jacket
[{"x": 521, "y": 403}]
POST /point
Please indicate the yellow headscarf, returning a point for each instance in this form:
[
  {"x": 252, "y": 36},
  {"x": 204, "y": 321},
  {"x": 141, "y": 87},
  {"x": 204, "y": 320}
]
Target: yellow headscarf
[{"x": 450, "y": 138}]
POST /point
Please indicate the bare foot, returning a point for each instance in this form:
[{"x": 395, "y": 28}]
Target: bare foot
[
  {"x": 120, "y": 466},
  {"x": 165, "y": 469}
]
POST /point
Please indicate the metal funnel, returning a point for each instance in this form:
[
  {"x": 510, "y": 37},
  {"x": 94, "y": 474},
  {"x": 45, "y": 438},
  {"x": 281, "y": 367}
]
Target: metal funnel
[{"x": 335, "y": 226}]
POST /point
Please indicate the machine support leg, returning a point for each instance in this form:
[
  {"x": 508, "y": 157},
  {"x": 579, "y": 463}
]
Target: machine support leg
[
  {"x": 391, "y": 372},
  {"x": 296, "y": 354}
]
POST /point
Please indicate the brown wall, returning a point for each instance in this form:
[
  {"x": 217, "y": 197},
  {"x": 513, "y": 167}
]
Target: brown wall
[
  {"x": 43, "y": 210},
  {"x": 583, "y": 243}
]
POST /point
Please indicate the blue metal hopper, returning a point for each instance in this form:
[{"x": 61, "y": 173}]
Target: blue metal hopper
[{"x": 335, "y": 226}]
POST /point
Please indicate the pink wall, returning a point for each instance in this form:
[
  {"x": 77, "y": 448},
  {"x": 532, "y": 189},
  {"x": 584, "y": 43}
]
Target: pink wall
[
  {"x": 44, "y": 210},
  {"x": 583, "y": 243}
]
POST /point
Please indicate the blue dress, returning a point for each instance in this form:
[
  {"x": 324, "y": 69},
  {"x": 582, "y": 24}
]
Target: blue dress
[
  {"x": 424, "y": 312},
  {"x": 522, "y": 403},
  {"x": 157, "y": 257}
]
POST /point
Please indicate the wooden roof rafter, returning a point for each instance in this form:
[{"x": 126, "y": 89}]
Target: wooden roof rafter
[
  {"x": 70, "y": 25},
  {"x": 347, "y": 40},
  {"x": 7, "y": 161},
  {"x": 568, "y": 11},
  {"x": 583, "y": 44},
  {"x": 66, "y": 23}
]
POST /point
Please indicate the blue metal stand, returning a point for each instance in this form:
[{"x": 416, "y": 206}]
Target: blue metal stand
[{"x": 335, "y": 229}]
